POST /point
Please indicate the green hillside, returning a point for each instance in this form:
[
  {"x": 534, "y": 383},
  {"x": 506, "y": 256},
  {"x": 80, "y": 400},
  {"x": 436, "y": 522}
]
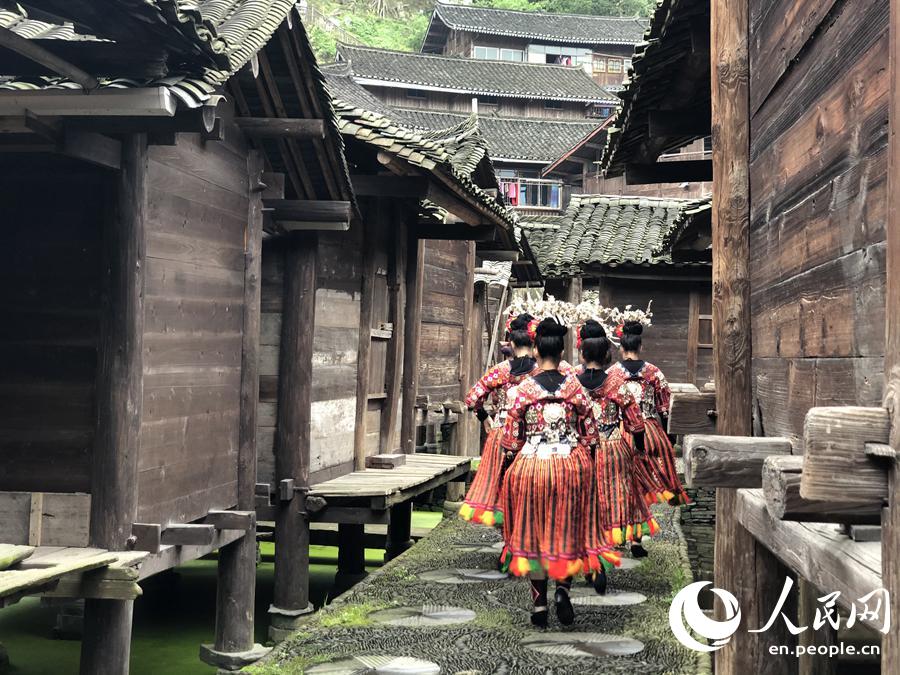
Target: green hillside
[{"x": 399, "y": 24}]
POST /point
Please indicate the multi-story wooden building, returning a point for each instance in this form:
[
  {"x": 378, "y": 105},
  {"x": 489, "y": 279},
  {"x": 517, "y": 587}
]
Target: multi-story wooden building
[
  {"x": 601, "y": 45},
  {"x": 529, "y": 114}
]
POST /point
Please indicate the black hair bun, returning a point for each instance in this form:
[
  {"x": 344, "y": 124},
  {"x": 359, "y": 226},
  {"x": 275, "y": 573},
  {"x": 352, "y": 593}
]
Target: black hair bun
[
  {"x": 551, "y": 328},
  {"x": 633, "y": 328},
  {"x": 520, "y": 322},
  {"x": 592, "y": 329}
]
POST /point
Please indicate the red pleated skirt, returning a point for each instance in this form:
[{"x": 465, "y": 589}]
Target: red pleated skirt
[
  {"x": 660, "y": 463},
  {"x": 546, "y": 504},
  {"x": 623, "y": 491},
  {"x": 480, "y": 504}
]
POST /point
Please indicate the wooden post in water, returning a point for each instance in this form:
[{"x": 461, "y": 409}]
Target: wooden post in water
[
  {"x": 106, "y": 646},
  {"x": 742, "y": 566},
  {"x": 292, "y": 436},
  {"x": 236, "y": 570},
  {"x": 415, "y": 267},
  {"x": 890, "y": 521}
]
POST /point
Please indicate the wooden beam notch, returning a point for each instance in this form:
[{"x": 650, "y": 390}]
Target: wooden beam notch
[{"x": 729, "y": 461}]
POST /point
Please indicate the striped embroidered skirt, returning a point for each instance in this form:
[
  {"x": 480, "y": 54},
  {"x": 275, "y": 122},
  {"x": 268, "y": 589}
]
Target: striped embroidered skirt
[
  {"x": 480, "y": 504},
  {"x": 660, "y": 463},
  {"x": 546, "y": 502},
  {"x": 623, "y": 488}
]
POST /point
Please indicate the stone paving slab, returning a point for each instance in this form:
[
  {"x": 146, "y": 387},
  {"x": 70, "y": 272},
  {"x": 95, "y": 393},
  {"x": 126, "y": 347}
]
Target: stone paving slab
[{"x": 606, "y": 639}]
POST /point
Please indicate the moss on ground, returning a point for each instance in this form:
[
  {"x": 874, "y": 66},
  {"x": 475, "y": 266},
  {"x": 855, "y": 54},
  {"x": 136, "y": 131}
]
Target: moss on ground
[{"x": 491, "y": 642}]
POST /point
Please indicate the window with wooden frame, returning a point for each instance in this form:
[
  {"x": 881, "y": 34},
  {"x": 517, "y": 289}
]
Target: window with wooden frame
[
  {"x": 599, "y": 65},
  {"x": 417, "y": 94},
  {"x": 614, "y": 66}
]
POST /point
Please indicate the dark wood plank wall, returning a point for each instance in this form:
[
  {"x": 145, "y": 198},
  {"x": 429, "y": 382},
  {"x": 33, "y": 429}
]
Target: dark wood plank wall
[
  {"x": 193, "y": 295},
  {"x": 443, "y": 307},
  {"x": 819, "y": 106},
  {"x": 462, "y": 103},
  {"x": 666, "y": 341},
  {"x": 335, "y": 343},
  {"x": 52, "y": 217}
]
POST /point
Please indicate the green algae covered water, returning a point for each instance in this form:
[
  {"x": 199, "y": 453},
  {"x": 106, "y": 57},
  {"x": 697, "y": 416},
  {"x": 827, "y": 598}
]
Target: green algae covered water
[{"x": 173, "y": 617}]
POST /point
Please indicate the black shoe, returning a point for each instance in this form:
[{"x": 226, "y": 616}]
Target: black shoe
[
  {"x": 638, "y": 551},
  {"x": 539, "y": 617},
  {"x": 564, "y": 610},
  {"x": 600, "y": 581}
]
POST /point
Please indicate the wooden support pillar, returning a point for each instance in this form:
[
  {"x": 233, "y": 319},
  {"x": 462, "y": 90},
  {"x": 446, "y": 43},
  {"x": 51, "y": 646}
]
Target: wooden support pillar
[
  {"x": 826, "y": 636},
  {"x": 236, "y": 572},
  {"x": 369, "y": 271},
  {"x": 351, "y": 566},
  {"x": 292, "y": 435},
  {"x": 890, "y": 521},
  {"x": 415, "y": 266},
  {"x": 574, "y": 293},
  {"x": 106, "y": 646},
  {"x": 399, "y": 532},
  {"x": 693, "y": 336},
  {"x": 394, "y": 359},
  {"x": 742, "y": 566}
]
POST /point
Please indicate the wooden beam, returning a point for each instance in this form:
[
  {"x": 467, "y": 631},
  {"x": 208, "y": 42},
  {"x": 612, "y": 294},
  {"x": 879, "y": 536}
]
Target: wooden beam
[
  {"x": 231, "y": 520},
  {"x": 736, "y": 551},
  {"x": 390, "y": 186},
  {"x": 281, "y": 127},
  {"x": 292, "y": 435},
  {"x": 136, "y": 102},
  {"x": 455, "y": 204},
  {"x": 781, "y": 487},
  {"x": 313, "y": 225},
  {"x": 692, "y": 413},
  {"x": 455, "y": 232},
  {"x": 836, "y": 466},
  {"x": 674, "y": 171},
  {"x": 92, "y": 147},
  {"x": 308, "y": 209},
  {"x": 34, "y": 52},
  {"x": 729, "y": 461},
  {"x": 499, "y": 255},
  {"x": 695, "y": 122},
  {"x": 373, "y": 235},
  {"x": 147, "y": 537},
  {"x": 191, "y": 534},
  {"x": 415, "y": 267},
  {"x": 815, "y": 551}
]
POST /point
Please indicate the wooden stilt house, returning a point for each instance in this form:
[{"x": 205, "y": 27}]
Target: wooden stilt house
[
  {"x": 343, "y": 325},
  {"x": 135, "y": 189}
]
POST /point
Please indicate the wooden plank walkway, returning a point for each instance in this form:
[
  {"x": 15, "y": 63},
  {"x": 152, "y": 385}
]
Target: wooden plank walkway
[
  {"x": 62, "y": 571},
  {"x": 385, "y": 487}
]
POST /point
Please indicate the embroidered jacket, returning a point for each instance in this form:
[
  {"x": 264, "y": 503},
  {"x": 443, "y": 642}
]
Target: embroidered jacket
[
  {"x": 541, "y": 421},
  {"x": 647, "y": 386},
  {"x": 497, "y": 383},
  {"x": 613, "y": 405}
]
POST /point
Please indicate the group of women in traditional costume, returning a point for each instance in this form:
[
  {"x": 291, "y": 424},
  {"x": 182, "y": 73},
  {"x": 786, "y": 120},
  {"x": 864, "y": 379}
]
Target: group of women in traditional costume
[{"x": 574, "y": 458}]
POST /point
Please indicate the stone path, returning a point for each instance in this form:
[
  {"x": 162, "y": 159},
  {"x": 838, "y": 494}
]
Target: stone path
[{"x": 441, "y": 608}]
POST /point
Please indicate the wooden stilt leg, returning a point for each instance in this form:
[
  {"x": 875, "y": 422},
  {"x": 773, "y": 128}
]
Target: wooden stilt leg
[
  {"x": 106, "y": 647},
  {"x": 399, "y": 530},
  {"x": 351, "y": 555},
  {"x": 292, "y": 437},
  {"x": 234, "y": 647}
]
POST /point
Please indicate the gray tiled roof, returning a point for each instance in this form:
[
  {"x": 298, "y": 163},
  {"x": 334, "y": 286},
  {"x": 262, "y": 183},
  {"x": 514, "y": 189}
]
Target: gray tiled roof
[
  {"x": 213, "y": 38},
  {"x": 473, "y": 76},
  {"x": 568, "y": 28},
  {"x": 533, "y": 140},
  {"x": 601, "y": 231},
  {"x": 664, "y": 63}
]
